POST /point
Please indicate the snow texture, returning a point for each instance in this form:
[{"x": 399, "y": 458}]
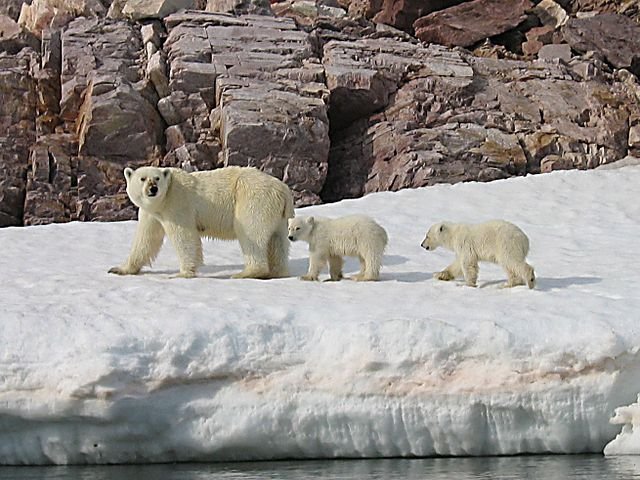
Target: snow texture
[
  {"x": 97, "y": 368},
  {"x": 628, "y": 440}
]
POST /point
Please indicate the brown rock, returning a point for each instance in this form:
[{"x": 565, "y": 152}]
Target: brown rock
[
  {"x": 615, "y": 37},
  {"x": 240, "y": 7},
  {"x": 402, "y": 13},
  {"x": 551, "y": 13},
  {"x": 17, "y": 132},
  {"x": 103, "y": 95},
  {"x": 472, "y": 119},
  {"x": 268, "y": 109},
  {"x": 363, "y": 8},
  {"x": 53, "y": 14},
  {"x": 555, "y": 162},
  {"x": 536, "y": 38},
  {"x": 468, "y": 23},
  {"x": 10, "y": 8},
  {"x": 13, "y": 38}
]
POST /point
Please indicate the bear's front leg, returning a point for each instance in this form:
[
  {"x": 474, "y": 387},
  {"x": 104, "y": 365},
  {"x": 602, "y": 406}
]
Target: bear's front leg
[
  {"x": 316, "y": 262},
  {"x": 146, "y": 245},
  {"x": 188, "y": 247},
  {"x": 450, "y": 273}
]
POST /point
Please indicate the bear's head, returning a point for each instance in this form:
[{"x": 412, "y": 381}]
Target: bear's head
[
  {"x": 435, "y": 236},
  {"x": 147, "y": 186},
  {"x": 300, "y": 228}
]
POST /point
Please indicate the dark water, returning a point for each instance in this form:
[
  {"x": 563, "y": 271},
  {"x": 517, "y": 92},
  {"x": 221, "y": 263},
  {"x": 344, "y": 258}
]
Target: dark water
[{"x": 584, "y": 467}]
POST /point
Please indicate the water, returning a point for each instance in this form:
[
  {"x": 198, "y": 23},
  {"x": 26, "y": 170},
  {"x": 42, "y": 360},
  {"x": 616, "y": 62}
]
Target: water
[{"x": 557, "y": 467}]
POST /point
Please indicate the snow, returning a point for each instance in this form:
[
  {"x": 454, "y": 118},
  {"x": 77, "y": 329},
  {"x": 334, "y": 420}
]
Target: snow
[
  {"x": 96, "y": 368},
  {"x": 628, "y": 440}
]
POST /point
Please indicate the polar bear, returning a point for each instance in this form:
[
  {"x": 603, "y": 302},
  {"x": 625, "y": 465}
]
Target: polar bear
[
  {"x": 331, "y": 239},
  {"x": 496, "y": 241},
  {"x": 228, "y": 203}
]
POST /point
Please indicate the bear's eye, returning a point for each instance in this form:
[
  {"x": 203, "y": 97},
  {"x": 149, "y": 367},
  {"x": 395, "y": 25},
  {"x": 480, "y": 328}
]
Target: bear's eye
[
  {"x": 157, "y": 179},
  {"x": 143, "y": 179}
]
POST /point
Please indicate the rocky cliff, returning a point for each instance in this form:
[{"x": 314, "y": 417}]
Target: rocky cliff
[{"x": 337, "y": 98}]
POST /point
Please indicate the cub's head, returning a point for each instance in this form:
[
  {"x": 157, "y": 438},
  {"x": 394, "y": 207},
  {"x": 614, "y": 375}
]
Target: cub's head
[
  {"x": 300, "y": 228},
  {"x": 147, "y": 186},
  {"x": 435, "y": 236}
]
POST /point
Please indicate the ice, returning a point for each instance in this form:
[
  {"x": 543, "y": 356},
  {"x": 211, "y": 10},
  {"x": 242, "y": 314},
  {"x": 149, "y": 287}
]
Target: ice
[
  {"x": 96, "y": 368},
  {"x": 627, "y": 442}
]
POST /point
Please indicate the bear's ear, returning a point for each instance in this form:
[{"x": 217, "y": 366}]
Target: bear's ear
[
  {"x": 127, "y": 173},
  {"x": 310, "y": 220},
  {"x": 166, "y": 172}
]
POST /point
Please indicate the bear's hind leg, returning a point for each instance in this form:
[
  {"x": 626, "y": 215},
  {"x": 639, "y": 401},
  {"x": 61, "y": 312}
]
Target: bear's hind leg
[
  {"x": 278, "y": 254},
  {"x": 358, "y": 277},
  {"x": 371, "y": 270},
  {"x": 256, "y": 258},
  {"x": 254, "y": 240},
  {"x": 335, "y": 267}
]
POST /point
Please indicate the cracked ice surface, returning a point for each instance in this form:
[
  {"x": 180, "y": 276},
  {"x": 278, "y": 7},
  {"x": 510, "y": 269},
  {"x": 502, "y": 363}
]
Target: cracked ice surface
[{"x": 96, "y": 368}]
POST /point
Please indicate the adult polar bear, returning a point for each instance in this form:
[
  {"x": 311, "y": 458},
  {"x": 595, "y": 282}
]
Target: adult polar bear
[{"x": 228, "y": 203}]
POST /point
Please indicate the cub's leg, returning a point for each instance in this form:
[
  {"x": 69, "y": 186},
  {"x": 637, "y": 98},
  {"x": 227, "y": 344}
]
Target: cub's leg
[
  {"x": 335, "y": 267},
  {"x": 452, "y": 272},
  {"x": 358, "y": 277},
  {"x": 470, "y": 270},
  {"x": 372, "y": 266},
  {"x": 316, "y": 264}
]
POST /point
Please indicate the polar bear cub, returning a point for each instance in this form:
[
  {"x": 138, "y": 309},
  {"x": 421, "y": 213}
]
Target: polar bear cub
[
  {"x": 496, "y": 241},
  {"x": 228, "y": 203},
  {"x": 331, "y": 239}
]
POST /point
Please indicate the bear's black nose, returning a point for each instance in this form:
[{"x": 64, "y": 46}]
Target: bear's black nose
[
  {"x": 291, "y": 237},
  {"x": 153, "y": 190}
]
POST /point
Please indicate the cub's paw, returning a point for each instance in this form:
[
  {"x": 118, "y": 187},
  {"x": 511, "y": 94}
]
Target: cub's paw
[
  {"x": 122, "y": 271},
  {"x": 185, "y": 275},
  {"x": 444, "y": 275},
  {"x": 309, "y": 278}
]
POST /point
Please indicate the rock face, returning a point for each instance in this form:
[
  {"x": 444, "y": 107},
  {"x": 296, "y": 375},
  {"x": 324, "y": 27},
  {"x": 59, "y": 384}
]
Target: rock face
[
  {"x": 402, "y": 13},
  {"x": 13, "y": 38},
  {"x": 445, "y": 116},
  {"x": 471, "y": 22},
  {"x": 614, "y": 36},
  {"x": 335, "y": 106},
  {"x": 108, "y": 120},
  {"x": 256, "y": 82},
  {"x": 17, "y": 132},
  {"x": 40, "y": 15}
]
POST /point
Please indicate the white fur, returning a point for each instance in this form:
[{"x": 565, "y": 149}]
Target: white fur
[
  {"x": 229, "y": 203},
  {"x": 496, "y": 241},
  {"x": 331, "y": 239}
]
